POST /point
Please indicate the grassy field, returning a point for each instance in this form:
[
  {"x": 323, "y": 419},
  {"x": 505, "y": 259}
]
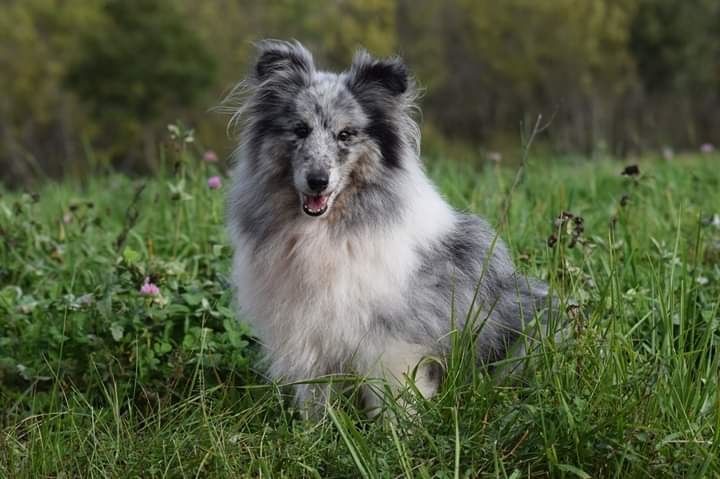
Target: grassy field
[{"x": 98, "y": 380}]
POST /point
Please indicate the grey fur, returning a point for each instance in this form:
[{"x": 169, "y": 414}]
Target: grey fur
[{"x": 452, "y": 270}]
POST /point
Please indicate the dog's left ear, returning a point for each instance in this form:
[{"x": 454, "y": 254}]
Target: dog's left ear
[{"x": 391, "y": 75}]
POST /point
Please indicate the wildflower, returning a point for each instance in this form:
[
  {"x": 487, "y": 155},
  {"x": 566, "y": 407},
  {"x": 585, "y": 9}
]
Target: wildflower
[
  {"x": 214, "y": 182},
  {"x": 149, "y": 289},
  {"x": 573, "y": 311},
  {"x": 85, "y": 299},
  {"x": 707, "y": 148},
  {"x": 494, "y": 156},
  {"x": 210, "y": 157},
  {"x": 667, "y": 153},
  {"x": 715, "y": 221}
]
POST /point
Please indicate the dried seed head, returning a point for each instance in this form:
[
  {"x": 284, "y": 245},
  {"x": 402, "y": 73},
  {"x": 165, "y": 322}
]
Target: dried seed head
[
  {"x": 631, "y": 170},
  {"x": 573, "y": 311}
]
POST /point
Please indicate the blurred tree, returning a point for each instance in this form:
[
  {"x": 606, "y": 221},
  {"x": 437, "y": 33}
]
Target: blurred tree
[
  {"x": 500, "y": 63},
  {"x": 227, "y": 28},
  {"x": 676, "y": 46},
  {"x": 334, "y": 30},
  {"x": 38, "y": 39},
  {"x": 142, "y": 66},
  {"x": 618, "y": 75}
]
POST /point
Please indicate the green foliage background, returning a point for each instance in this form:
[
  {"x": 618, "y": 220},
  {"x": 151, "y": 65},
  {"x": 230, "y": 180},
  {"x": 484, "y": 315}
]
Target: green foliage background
[{"x": 92, "y": 82}]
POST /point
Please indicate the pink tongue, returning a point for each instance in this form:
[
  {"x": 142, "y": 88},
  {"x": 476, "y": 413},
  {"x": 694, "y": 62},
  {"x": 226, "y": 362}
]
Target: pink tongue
[{"x": 316, "y": 203}]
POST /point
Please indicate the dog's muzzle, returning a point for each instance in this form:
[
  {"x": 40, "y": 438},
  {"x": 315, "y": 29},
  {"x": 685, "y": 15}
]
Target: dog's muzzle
[{"x": 316, "y": 203}]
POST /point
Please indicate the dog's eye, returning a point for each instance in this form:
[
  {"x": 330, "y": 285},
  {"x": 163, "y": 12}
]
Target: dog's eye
[
  {"x": 301, "y": 130},
  {"x": 345, "y": 135}
]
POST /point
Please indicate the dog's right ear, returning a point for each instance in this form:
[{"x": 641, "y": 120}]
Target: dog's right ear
[{"x": 280, "y": 58}]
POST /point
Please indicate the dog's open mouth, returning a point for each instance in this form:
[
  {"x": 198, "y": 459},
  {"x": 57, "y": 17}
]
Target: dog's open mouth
[{"x": 315, "y": 205}]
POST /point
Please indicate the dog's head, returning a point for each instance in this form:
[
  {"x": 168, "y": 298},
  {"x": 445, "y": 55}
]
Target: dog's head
[{"x": 322, "y": 132}]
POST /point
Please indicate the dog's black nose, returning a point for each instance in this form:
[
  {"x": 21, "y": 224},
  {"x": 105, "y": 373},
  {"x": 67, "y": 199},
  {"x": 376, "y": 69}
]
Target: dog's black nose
[{"x": 317, "y": 181}]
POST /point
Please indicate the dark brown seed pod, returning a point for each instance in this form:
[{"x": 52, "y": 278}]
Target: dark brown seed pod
[{"x": 631, "y": 170}]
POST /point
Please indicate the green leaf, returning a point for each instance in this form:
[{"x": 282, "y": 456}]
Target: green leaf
[
  {"x": 117, "y": 331},
  {"x": 177, "y": 310},
  {"x": 130, "y": 256},
  {"x": 193, "y": 299},
  {"x": 355, "y": 442},
  {"x": 9, "y": 296},
  {"x": 162, "y": 347},
  {"x": 574, "y": 470}
]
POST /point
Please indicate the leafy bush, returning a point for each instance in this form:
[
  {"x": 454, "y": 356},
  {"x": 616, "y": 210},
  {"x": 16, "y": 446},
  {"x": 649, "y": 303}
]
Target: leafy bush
[{"x": 71, "y": 278}]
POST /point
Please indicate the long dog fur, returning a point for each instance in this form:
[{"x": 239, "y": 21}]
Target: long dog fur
[{"x": 369, "y": 286}]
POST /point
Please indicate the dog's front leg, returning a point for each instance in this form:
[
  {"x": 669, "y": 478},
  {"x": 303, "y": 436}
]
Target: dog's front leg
[
  {"x": 310, "y": 399},
  {"x": 400, "y": 365}
]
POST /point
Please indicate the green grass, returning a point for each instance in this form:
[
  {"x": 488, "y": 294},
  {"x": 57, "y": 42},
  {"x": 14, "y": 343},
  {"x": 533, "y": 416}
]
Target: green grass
[{"x": 98, "y": 381}]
